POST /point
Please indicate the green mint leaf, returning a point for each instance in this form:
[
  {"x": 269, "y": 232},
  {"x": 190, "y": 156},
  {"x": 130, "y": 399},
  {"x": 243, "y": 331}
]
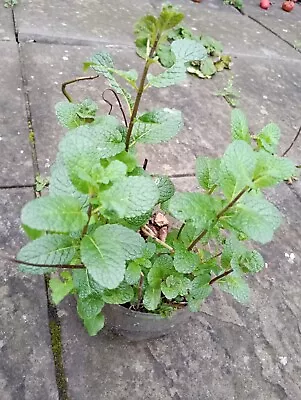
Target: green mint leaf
[
  {"x": 60, "y": 183},
  {"x": 61, "y": 288},
  {"x": 166, "y": 56},
  {"x": 105, "y": 251},
  {"x": 145, "y": 31},
  {"x": 72, "y": 115},
  {"x": 94, "y": 324},
  {"x": 82, "y": 149},
  {"x": 175, "y": 286},
  {"x": 152, "y": 298},
  {"x": 115, "y": 171},
  {"x": 133, "y": 273},
  {"x": 130, "y": 76},
  {"x": 32, "y": 233},
  {"x": 207, "y": 172},
  {"x": 200, "y": 290},
  {"x": 131, "y": 197},
  {"x": 149, "y": 250},
  {"x": 166, "y": 188},
  {"x": 122, "y": 294},
  {"x": 236, "y": 286},
  {"x": 161, "y": 269},
  {"x": 237, "y": 168},
  {"x": 157, "y": 126},
  {"x": 239, "y": 126},
  {"x": 173, "y": 75},
  {"x": 60, "y": 214},
  {"x": 187, "y": 50},
  {"x": 256, "y": 217},
  {"x": 128, "y": 158},
  {"x": 251, "y": 261},
  {"x": 207, "y": 68},
  {"x": 271, "y": 170},
  {"x": 84, "y": 285},
  {"x": 268, "y": 138},
  {"x": 169, "y": 18},
  {"x": 48, "y": 249},
  {"x": 184, "y": 260},
  {"x": 200, "y": 209},
  {"x": 89, "y": 307},
  {"x": 213, "y": 46}
]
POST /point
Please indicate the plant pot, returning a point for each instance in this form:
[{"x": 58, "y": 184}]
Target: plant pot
[{"x": 135, "y": 325}]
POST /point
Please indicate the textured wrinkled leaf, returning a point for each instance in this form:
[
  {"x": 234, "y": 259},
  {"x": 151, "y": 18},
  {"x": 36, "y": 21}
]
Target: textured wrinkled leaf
[
  {"x": 213, "y": 46},
  {"x": 32, "y": 233},
  {"x": 48, "y": 249},
  {"x": 103, "y": 64},
  {"x": 239, "y": 126},
  {"x": 60, "y": 288},
  {"x": 132, "y": 273},
  {"x": 268, "y": 137},
  {"x": 208, "y": 68},
  {"x": 89, "y": 307},
  {"x": 251, "y": 261},
  {"x": 149, "y": 250},
  {"x": 200, "y": 209},
  {"x": 157, "y": 126},
  {"x": 188, "y": 50},
  {"x": 271, "y": 170},
  {"x": 173, "y": 75},
  {"x": 94, "y": 324},
  {"x": 166, "y": 56},
  {"x": 60, "y": 183},
  {"x": 256, "y": 217},
  {"x": 207, "y": 172},
  {"x": 169, "y": 18},
  {"x": 130, "y": 76},
  {"x": 82, "y": 149},
  {"x": 236, "y": 286},
  {"x": 236, "y": 168},
  {"x": 166, "y": 188},
  {"x": 185, "y": 261},
  {"x": 161, "y": 269},
  {"x": 71, "y": 115},
  {"x": 60, "y": 214},
  {"x": 83, "y": 284},
  {"x": 175, "y": 286},
  {"x": 122, "y": 294},
  {"x": 130, "y": 197},
  {"x": 200, "y": 290},
  {"x": 105, "y": 251},
  {"x": 152, "y": 298}
]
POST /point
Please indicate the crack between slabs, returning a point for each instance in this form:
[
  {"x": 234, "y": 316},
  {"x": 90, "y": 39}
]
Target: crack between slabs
[
  {"x": 30, "y": 185},
  {"x": 53, "y": 318}
]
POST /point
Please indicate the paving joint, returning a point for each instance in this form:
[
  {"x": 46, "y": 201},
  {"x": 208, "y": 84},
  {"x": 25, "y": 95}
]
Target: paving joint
[
  {"x": 30, "y": 185},
  {"x": 53, "y": 318}
]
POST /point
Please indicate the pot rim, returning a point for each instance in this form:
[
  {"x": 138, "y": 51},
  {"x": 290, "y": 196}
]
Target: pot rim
[{"x": 148, "y": 315}]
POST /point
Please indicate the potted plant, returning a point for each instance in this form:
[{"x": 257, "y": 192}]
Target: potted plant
[{"x": 104, "y": 229}]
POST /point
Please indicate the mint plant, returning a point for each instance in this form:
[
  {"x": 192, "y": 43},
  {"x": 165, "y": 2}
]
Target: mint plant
[{"x": 104, "y": 229}]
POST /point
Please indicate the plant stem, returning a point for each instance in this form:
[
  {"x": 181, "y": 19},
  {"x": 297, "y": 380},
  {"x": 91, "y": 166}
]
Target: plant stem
[
  {"x": 291, "y": 145},
  {"x": 219, "y": 215},
  {"x": 85, "y": 228},
  {"x": 111, "y": 105},
  {"x": 140, "y": 92},
  {"x": 140, "y": 289},
  {"x": 59, "y": 266},
  {"x": 81, "y": 78},
  {"x": 151, "y": 234},
  {"x": 220, "y": 276},
  {"x": 180, "y": 230}
]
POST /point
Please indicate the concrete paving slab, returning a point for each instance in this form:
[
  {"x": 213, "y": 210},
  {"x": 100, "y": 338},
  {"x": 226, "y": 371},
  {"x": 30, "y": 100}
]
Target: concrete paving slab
[
  {"x": 205, "y": 114},
  {"x": 228, "y": 351},
  {"x": 15, "y": 155},
  {"x": 269, "y": 92},
  {"x": 6, "y": 25},
  {"x": 238, "y": 33},
  {"x": 286, "y": 25},
  {"x": 79, "y": 22},
  {"x": 26, "y": 363}
]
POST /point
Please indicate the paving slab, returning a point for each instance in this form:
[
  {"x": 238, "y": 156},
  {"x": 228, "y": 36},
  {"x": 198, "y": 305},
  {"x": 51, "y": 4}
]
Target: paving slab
[
  {"x": 238, "y": 33},
  {"x": 227, "y": 351},
  {"x": 79, "y": 22},
  {"x": 286, "y": 25},
  {"x": 269, "y": 92},
  {"x": 6, "y": 25},
  {"x": 15, "y": 155},
  {"x": 26, "y": 363},
  {"x": 205, "y": 114}
]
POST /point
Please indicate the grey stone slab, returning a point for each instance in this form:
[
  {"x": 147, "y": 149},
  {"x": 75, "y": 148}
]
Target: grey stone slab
[
  {"x": 6, "y": 25},
  {"x": 79, "y": 22},
  {"x": 26, "y": 363},
  {"x": 269, "y": 92},
  {"x": 15, "y": 155},
  {"x": 206, "y": 116},
  {"x": 238, "y": 33},
  {"x": 228, "y": 351},
  {"x": 286, "y": 25}
]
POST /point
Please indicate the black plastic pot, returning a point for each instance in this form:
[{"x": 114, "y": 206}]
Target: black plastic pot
[{"x": 136, "y": 325}]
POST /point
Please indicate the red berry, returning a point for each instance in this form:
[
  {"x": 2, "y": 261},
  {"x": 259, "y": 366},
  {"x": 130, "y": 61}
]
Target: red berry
[
  {"x": 265, "y": 4},
  {"x": 288, "y": 5}
]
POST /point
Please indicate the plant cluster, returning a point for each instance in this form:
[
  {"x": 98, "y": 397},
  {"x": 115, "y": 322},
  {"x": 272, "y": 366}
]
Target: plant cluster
[
  {"x": 235, "y": 3},
  {"x": 105, "y": 223},
  {"x": 215, "y": 61}
]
